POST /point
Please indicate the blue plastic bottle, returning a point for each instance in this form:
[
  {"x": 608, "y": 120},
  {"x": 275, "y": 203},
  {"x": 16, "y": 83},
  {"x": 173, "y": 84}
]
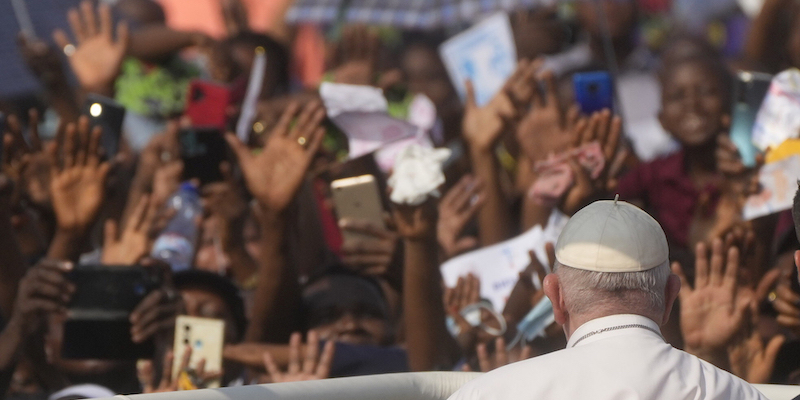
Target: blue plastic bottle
[{"x": 175, "y": 245}]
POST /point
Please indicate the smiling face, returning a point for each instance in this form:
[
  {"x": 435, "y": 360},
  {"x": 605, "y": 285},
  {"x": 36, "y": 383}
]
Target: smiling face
[
  {"x": 347, "y": 309},
  {"x": 694, "y": 102}
]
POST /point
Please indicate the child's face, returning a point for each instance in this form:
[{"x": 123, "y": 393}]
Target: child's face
[{"x": 692, "y": 104}]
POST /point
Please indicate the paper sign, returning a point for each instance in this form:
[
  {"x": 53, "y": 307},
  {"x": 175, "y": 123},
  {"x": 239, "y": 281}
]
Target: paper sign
[
  {"x": 778, "y": 185},
  {"x": 485, "y": 54},
  {"x": 498, "y": 266},
  {"x": 779, "y": 116},
  {"x": 361, "y": 113}
]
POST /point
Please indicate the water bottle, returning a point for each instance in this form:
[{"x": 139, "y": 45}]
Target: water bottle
[{"x": 175, "y": 245}]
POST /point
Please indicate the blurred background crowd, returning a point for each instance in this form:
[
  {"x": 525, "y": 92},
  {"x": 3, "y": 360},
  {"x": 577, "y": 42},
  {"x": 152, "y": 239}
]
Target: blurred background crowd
[{"x": 166, "y": 159}]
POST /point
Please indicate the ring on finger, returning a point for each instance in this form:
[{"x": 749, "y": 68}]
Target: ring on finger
[{"x": 302, "y": 141}]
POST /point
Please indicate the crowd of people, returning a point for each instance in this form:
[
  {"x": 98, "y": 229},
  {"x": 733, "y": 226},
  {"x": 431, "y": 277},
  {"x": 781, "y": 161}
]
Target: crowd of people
[{"x": 305, "y": 294}]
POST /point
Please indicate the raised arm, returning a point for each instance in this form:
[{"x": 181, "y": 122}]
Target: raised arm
[{"x": 273, "y": 177}]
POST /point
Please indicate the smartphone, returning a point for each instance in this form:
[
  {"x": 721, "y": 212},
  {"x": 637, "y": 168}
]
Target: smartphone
[
  {"x": 109, "y": 115},
  {"x": 749, "y": 91},
  {"x": 206, "y": 337},
  {"x": 357, "y": 198},
  {"x": 97, "y": 325},
  {"x": 594, "y": 91},
  {"x": 207, "y": 104},
  {"x": 202, "y": 150}
]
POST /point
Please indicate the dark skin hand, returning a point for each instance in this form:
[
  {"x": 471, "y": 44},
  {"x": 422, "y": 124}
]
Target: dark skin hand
[
  {"x": 156, "y": 314},
  {"x": 43, "y": 291}
]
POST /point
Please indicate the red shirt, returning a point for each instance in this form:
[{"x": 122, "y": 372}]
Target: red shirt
[{"x": 668, "y": 194}]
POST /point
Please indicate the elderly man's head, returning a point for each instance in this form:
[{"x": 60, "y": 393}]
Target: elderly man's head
[{"x": 611, "y": 258}]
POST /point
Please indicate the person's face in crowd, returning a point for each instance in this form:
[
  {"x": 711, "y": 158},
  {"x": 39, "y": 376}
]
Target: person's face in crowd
[
  {"x": 621, "y": 15},
  {"x": 426, "y": 74},
  {"x": 692, "y": 104},
  {"x": 348, "y": 310},
  {"x": 210, "y": 256},
  {"x": 202, "y": 303}
]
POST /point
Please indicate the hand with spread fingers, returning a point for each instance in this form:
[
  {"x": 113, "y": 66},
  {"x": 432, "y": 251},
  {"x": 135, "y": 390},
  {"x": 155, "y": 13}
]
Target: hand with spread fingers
[
  {"x": 482, "y": 126},
  {"x": 314, "y": 365},
  {"x": 458, "y": 206},
  {"x": 96, "y": 57},
  {"x": 45, "y": 289},
  {"x": 751, "y": 358},
  {"x": 467, "y": 291},
  {"x": 547, "y": 128},
  {"x": 146, "y": 374},
  {"x": 712, "y": 311},
  {"x": 24, "y": 161},
  {"x": 274, "y": 175},
  {"x": 605, "y": 129},
  {"x": 77, "y": 176},
  {"x": 135, "y": 241}
]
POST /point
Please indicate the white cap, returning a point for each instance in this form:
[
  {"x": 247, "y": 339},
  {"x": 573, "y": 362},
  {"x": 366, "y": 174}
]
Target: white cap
[{"x": 612, "y": 236}]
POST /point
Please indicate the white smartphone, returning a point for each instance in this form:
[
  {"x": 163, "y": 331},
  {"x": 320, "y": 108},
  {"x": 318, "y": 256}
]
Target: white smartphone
[
  {"x": 358, "y": 198},
  {"x": 206, "y": 337}
]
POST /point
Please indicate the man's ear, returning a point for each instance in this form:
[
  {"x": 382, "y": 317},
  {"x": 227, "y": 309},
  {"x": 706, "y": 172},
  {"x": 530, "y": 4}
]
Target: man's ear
[
  {"x": 797, "y": 262},
  {"x": 670, "y": 294},
  {"x": 552, "y": 288}
]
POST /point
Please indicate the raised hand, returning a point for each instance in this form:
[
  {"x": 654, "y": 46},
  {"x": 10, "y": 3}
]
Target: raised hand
[
  {"x": 77, "y": 176},
  {"x": 314, "y": 365},
  {"x": 146, "y": 373},
  {"x": 371, "y": 251},
  {"x": 482, "y": 126},
  {"x": 135, "y": 241},
  {"x": 467, "y": 291},
  {"x": 358, "y": 51},
  {"x": 43, "y": 60},
  {"x": 96, "y": 58},
  {"x": 525, "y": 296},
  {"x": 155, "y": 314},
  {"x": 25, "y": 163},
  {"x": 458, "y": 206},
  {"x": 416, "y": 223},
  {"x": 502, "y": 357},
  {"x": 275, "y": 174},
  {"x": 713, "y": 311},
  {"x": 547, "y": 128},
  {"x": 605, "y": 129}
]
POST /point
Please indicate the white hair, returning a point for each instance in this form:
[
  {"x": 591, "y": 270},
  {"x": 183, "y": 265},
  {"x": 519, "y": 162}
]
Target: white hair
[{"x": 586, "y": 290}]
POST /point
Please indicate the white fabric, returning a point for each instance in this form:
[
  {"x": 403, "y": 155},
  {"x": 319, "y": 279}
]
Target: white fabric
[
  {"x": 612, "y": 236},
  {"x": 623, "y": 364},
  {"x": 86, "y": 391},
  {"x": 417, "y": 174}
]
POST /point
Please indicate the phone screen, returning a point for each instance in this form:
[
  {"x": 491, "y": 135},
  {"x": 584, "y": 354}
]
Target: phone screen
[
  {"x": 202, "y": 151},
  {"x": 109, "y": 115},
  {"x": 749, "y": 93}
]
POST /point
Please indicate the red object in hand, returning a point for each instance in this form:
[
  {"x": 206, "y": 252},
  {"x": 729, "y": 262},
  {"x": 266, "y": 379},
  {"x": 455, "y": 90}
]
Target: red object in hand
[{"x": 207, "y": 104}]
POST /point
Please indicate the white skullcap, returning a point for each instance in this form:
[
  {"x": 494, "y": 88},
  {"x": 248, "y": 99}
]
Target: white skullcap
[{"x": 612, "y": 236}]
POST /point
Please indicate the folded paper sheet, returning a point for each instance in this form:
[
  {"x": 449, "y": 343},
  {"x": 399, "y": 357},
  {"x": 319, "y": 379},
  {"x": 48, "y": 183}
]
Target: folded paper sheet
[{"x": 361, "y": 113}]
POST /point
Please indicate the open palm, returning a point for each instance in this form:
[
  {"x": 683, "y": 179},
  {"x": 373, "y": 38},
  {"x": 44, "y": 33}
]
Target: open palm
[
  {"x": 78, "y": 178},
  {"x": 97, "y": 57},
  {"x": 274, "y": 175},
  {"x": 713, "y": 311}
]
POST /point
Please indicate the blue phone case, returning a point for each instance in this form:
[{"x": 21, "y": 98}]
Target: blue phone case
[{"x": 594, "y": 91}]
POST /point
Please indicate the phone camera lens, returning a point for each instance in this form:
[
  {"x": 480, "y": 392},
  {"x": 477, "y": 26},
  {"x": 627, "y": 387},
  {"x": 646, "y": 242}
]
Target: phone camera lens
[{"x": 593, "y": 88}]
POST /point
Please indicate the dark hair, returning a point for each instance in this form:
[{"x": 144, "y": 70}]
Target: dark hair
[
  {"x": 278, "y": 58},
  {"x": 796, "y": 212},
  {"x": 219, "y": 285}
]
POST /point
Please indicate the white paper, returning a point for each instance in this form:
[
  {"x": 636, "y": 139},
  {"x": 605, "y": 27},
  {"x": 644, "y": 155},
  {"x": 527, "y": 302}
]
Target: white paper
[
  {"x": 778, "y": 182},
  {"x": 485, "y": 54},
  {"x": 779, "y": 116},
  {"x": 361, "y": 113},
  {"x": 422, "y": 114},
  {"x": 250, "y": 103},
  {"x": 498, "y": 266},
  {"x": 417, "y": 174}
]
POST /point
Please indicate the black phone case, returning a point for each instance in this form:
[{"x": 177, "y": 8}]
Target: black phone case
[
  {"x": 98, "y": 325},
  {"x": 202, "y": 151},
  {"x": 110, "y": 119}
]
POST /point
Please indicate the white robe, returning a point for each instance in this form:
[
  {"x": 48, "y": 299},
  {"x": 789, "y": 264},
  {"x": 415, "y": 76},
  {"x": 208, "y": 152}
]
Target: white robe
[{"x": 620, "y": 357}]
